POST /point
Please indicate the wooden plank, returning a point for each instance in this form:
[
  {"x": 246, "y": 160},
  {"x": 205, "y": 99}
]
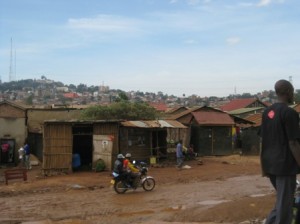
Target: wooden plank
[{"x": 15, "y": 174}]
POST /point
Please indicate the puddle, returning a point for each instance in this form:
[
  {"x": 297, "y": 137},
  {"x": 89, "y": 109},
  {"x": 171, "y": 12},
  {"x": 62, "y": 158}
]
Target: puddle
[
  {"x": 178, "y": 207},
  {"x": 257, "y": 195},
  {"x": 212, "y": 202}
]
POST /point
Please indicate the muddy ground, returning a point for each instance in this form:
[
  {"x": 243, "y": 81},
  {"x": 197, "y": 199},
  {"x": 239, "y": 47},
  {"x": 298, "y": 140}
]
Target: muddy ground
[{"x": 222, "y": 190}]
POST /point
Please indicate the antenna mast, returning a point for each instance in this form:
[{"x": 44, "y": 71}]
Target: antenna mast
[
  {"x": 15, "y": 73},
  {"x": 11, "y": 61}
]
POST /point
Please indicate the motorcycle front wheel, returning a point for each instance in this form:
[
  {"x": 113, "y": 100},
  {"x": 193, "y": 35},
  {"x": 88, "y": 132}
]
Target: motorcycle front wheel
[
  {"x": 120, "y": 187},
  {"x": 148, "y": 184}
]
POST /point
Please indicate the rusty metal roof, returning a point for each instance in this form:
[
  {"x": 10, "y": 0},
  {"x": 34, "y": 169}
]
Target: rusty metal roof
[
  {"x": 179, "y": 115},
  {"x": 213, "y": 118},
  {"x": 246, "y": 110},
  {"x": 241, "y": 103},
  {"x": 153, "y": 124},
  {"x": 256, "y": 119}
]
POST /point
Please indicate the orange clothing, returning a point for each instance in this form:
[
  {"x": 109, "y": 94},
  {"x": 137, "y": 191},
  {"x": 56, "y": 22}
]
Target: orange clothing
[{"x": 128, "y": 165}]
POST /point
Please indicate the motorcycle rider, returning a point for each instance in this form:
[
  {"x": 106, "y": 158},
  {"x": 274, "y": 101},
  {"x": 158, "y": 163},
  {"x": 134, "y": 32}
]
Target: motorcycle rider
[
  {"x": 133, "y": 172},
  {"x": 119, "y": 170}
]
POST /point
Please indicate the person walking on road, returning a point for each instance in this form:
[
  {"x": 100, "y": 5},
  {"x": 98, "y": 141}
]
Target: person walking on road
[
  {"x": 179, "y": 154},
  {"x": 27, "y": 156},
  {"x": 280, "y": 143}
]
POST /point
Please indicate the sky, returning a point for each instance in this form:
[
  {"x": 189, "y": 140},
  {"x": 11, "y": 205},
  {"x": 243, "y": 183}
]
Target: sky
[{"x": 201, "y": 47}]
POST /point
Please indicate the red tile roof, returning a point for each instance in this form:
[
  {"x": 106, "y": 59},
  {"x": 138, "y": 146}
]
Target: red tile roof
[
  {"x": 213, "y": 118},
  {"x": 71, "y": 95},
  {"x": 238, "y": 104},
  {"x": 159, "y": 106}
]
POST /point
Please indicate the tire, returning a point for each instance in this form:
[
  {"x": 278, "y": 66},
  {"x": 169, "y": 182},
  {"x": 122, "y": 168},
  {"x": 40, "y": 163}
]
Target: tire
[
  {"x": 148, "y": 184},
  {"x": 119, "y": 187}
]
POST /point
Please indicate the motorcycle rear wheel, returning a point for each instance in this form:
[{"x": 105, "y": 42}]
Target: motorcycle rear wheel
[
  {"x": 120, "y": 187},
  {"x": 148, "y": 184}
]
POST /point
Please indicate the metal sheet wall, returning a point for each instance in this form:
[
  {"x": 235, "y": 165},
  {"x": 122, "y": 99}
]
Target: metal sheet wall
[
  {"x": 137, "y": 141},
  {"x": 208, "y": 140},
  {"x": 109, "y": 129}
]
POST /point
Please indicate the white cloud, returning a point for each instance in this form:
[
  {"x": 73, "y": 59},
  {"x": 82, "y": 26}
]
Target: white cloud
[
  {"x": 264, "y": 3},
  {"x": 246, "y": 4},
  {"x": 193, "y": 2},
  {"x": 104, "y": 23},
  {"x": 233, "y": 40},
  {"x": 190, "y": 41},
  {"x": 173, "y": 1}
]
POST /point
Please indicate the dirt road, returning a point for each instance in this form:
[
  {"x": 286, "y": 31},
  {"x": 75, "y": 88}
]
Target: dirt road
[{"x": 222, "y": 190}]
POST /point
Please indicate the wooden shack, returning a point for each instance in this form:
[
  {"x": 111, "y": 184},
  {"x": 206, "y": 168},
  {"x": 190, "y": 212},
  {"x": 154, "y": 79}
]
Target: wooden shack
[
  {"x": 88, "y": 140},
  {"x": 150, "y": 139},
  {"x": 210, "y": 130}
]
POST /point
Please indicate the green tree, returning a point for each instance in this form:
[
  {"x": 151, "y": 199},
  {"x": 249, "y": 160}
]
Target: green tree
[
  {"x": 120, "y": 111},
  {"x": 29, "y": 100},
  {"x": 81, "y": 88},
  {"x": 122, "y": 97}
]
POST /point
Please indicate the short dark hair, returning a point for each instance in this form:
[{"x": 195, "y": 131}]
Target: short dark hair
[{"x": 283, "y": 87}]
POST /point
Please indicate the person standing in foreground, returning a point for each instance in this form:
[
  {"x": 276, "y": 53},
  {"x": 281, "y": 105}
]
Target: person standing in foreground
[
  {"x": 179, "y": 154},
  {"x": 280, "y": 135},
  {"x": 27, "y": 156}
]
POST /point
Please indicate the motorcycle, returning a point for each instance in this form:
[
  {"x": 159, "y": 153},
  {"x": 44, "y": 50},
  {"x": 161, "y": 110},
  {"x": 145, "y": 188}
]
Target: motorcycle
[{"x": 121, "y": 185}]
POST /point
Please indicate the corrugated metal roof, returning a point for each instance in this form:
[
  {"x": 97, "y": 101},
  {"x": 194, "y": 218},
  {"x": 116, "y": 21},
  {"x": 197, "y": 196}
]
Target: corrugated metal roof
[
  {"x": 241, "y": 121},
  {"x": 245, "y": 110},
  {"x": 176, "y": 116},
  {"x": 255, "y": 118},
  {"x": 153, "y": 124},
  {"x": 240, "y": 103},
  {"x": 213, "y": 118}
]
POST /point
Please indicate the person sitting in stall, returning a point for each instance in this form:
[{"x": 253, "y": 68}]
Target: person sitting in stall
[{"x": 190, "y": 152}]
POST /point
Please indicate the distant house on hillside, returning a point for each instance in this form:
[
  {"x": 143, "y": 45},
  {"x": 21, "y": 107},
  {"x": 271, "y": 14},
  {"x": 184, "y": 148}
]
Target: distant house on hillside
[
  {"x": 162, "y": 107},
  {"x": 71, "y": 95},
  {"x": 242, "y": 103}
]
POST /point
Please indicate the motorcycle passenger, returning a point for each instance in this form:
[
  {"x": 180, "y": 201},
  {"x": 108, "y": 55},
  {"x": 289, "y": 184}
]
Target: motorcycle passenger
[
  {"x": 119, "y": 170},
  {"x": 133, "y": 172}
]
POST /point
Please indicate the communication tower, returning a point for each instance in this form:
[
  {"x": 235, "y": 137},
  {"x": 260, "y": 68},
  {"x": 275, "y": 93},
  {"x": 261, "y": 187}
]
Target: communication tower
[{"x": 12, "y": 64}]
